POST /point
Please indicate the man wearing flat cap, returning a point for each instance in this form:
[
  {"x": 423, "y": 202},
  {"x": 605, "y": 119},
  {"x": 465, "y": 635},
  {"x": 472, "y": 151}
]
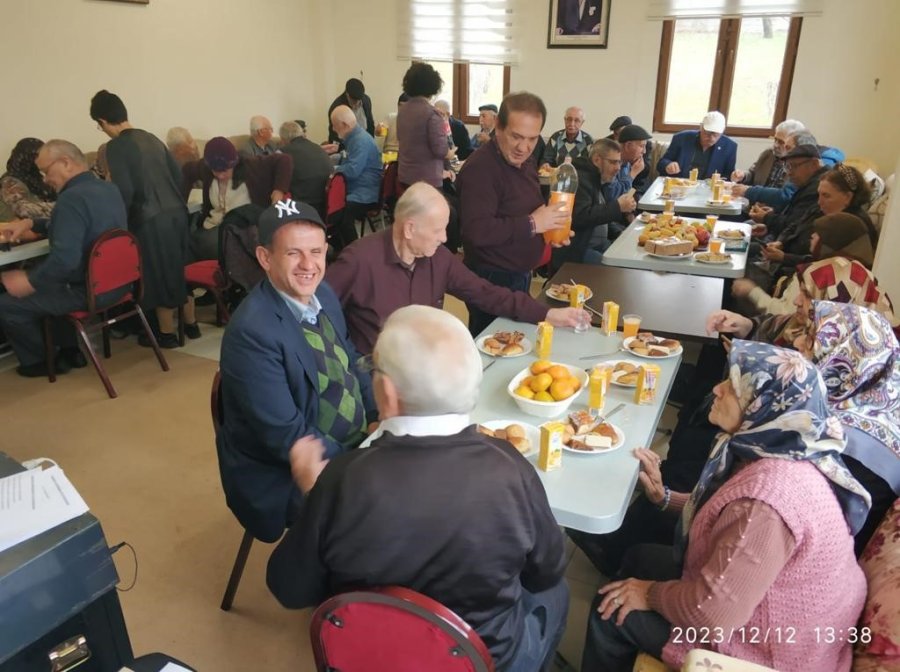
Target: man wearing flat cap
[
  {"x": 706, "y": 149},
  {"x": 487, "y": 118},
  {"x": 289, "y": 373},
  {"x": 635, "y": 170},
  {"x": 617, "y": 125}
]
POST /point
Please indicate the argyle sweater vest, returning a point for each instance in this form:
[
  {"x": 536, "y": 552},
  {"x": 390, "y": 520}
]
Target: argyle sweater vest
[
  {"x": 341, "y": 415},
  {"x": 821, "y": 585}
]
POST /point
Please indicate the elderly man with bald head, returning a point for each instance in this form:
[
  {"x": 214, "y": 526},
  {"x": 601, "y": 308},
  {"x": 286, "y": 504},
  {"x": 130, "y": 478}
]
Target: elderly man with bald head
[
  {"x": 361, "y": 169},
  {"x": 569, "y": 141},
  {"x": 260, "y": 142},
  {"x": 408, "y": 264},
  {"x": 431, "y": 504},
  {"x": 86, "y": 207}
]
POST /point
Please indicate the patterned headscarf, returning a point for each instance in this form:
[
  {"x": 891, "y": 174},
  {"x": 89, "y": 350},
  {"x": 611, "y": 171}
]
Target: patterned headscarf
[
  {"x": 786, "y": 417},
  {"x": 845, "y": 281},
  {"x": 21, "y": 166},
  {"x": 858, "y": 355}
]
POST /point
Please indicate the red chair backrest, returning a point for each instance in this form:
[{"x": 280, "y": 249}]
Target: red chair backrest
[
  {"x": 335, "y": 194},
  {"x": 114, "y": 262},
  {"x": 390, "y": 182},
  {"x": 394, "y": 629}
]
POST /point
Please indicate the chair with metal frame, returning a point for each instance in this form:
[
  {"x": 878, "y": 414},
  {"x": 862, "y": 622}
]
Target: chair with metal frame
[
  {"x": 114, "y": 263},
  {"x": 217, "y": 410},
  {"x": 394, "y": 628}
]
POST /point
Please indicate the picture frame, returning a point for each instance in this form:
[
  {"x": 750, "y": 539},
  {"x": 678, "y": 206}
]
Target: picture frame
[
  {"x": 135, "y": 2},
  {"x": 578, "y": 24}
]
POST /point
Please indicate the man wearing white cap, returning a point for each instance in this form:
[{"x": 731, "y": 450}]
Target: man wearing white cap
[{"x": 706, "y": 149}]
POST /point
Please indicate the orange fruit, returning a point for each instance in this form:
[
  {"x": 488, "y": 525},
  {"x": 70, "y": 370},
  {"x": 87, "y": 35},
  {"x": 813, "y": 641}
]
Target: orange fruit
[
  {"x": 575, "y": 383},
  {"x": 561, "y": 389},
  {"x": 540, "y": 366},
  {"x": 524, "y": 391},
  {"x": 558, "y": 371},
  {"x": 541, "y": 382},
  {"x": 543, "y": 396},
  {"x": 526, "y": 381}
]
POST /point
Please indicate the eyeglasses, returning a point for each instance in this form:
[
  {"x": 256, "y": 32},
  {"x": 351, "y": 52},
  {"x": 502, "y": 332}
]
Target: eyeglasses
[
  {"x": 615, "y": 162},
  {"x": 46, "y": 169},
  {"x": 791, "y": 167},
  {"x": 366, "y": 364},
  {"x": 575, "y": 119}
]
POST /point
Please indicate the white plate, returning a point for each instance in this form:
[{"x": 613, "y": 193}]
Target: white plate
[
  {"x": 628, "y": 341},
  {"x": 532, "y": 432},
  {"x": 613, "y": 362},
  {"x": 525, "y": 343},
  {"x": 556, "y": 297},
  {"x": 718, "y": 234},
  {"x": 673, "y": 257},
  {"x": 698, "y": 258},
  {"x": 620, "y": 441}
]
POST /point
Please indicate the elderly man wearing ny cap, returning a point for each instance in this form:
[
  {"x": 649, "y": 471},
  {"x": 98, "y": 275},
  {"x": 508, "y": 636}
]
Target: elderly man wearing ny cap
[
  {"x": 706, "y": 149},
  {"x": 487, "y": 118},
  {"x": 288, "y": 372},
  {"x": 229, "y": 181}
]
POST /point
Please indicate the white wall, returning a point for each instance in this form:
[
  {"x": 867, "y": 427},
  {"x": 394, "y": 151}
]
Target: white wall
[
  {"x": 174, "y": 63},
  {"x": 886, "y": 268},
  {"x": 193, "y": 63}
]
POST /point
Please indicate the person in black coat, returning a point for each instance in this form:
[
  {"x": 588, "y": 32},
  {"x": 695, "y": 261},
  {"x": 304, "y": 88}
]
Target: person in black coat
[{"x": 354, "y": 97}]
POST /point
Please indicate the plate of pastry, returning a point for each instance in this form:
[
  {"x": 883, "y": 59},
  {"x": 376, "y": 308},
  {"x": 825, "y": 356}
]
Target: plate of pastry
[
  {"x": 624, "y": 373},
  {"x": 670, "y": 257},
  {"x": 646, "y": 345},
  {"x": 524, "y": 437},
  {"x": 560, "y": 292},
  {"x": 730, "y": 234},
  {"x": 713, "y": 257},
  {"x": 586, "y": 435},
  {"x": 504, "y": 344}
]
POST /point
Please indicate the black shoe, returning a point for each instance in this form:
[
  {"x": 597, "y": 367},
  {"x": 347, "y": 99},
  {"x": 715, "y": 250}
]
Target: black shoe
[
  {"x": 208, "y": 299},
  {"x": 192, "y": 331},
  {"x": 73, "y": 357},
  {"x": 167, "y": 341},
  {"x": 39, "y": 370}
]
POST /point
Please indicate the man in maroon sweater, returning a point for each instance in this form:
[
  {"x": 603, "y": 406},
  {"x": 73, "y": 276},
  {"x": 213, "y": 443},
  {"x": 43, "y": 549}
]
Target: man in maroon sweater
[
  {"x": 502, "y": 211},
  {"x": 408, "y": 264}
]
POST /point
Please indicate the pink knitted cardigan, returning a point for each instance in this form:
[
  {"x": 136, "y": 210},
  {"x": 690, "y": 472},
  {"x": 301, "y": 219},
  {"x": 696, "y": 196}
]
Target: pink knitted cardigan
[{"x": 821, "y": 585}]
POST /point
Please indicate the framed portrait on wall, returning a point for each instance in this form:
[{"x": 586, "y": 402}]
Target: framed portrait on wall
[{"x": 579, "y": 24}]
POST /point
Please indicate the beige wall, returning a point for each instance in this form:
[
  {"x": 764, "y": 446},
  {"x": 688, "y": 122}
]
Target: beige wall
[
  {"x": 189, "y": 62},
  {"x": 173, "y": 62},
  {"x": 886, "y": 268}
]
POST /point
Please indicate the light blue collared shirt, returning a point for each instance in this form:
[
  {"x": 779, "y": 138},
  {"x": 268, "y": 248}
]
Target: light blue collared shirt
[{"x": 301, "y": 311}]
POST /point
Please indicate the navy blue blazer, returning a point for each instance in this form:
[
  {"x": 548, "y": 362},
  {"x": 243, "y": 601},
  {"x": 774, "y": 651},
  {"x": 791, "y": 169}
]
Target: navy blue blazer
[
  {"x": 724, "y": 156},
  {"x": 270, "y": 399}
]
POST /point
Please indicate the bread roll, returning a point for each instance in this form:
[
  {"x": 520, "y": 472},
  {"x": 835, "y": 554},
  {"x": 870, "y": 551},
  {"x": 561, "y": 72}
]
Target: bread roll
[
  {"x": 628, "y": 379},
  {"x": 513, "y": 349},
  {"x": 520, "y": 443},
  {"x": 626, "y": 367},
  {"x": 515, "y": 432},
  {"x": 493, "y": 346},
  {"x": 582, "y": 422},
  {"x": 604, "y": 429}
]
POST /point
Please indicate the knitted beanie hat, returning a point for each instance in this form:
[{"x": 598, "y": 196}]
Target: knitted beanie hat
[{"x": 219, "y": 154}]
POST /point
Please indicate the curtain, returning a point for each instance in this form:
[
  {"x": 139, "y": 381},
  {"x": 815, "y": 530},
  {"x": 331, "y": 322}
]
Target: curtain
[
  {"x": 476, "y": 31},
  {"x": 693, "y": 9}
]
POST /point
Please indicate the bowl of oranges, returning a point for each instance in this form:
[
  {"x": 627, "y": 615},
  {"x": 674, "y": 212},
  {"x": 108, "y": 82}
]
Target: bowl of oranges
[{"x": 547, "y": 389}]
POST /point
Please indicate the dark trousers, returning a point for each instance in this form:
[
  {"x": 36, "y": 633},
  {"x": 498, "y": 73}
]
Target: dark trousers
[
  {"x": 346, "y": 223},
  {"x": 613, "y": 648},
  {"x": 545, "y": 622},
  {"x": 20, "y": 320},
  {"x": 514, "y": 280}
]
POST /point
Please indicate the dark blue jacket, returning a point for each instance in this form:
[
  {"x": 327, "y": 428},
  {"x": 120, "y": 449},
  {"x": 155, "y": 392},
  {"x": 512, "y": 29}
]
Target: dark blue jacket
[
  {"x": 270, "y": 399},
  {"x": 724, "y": 155},
  {"x": 86, "y": 208},
  {"x": 460, "y": 138}
]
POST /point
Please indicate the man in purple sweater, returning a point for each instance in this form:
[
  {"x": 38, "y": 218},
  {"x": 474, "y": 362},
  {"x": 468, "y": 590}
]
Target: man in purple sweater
[
  {"x": 408, "y": 264},
  {"x": 502, "y": 211}
]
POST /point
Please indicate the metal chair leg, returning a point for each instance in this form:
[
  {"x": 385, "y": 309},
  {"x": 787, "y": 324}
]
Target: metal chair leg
[
  {"x": 147, "y": 330},
  {"x": 239, "y": 562}
]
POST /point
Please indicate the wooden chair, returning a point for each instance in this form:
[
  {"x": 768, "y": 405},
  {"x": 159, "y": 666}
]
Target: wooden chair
[
  {"x": 217, "y": 411},
  {"x": 387, "y": 197},
  {"x": 114, "y": 264},
  {"x": 393, "y": 629}
]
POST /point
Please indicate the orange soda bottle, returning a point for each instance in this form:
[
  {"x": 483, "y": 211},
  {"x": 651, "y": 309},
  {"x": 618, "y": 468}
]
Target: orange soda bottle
[{"x": 563, "y": 186}]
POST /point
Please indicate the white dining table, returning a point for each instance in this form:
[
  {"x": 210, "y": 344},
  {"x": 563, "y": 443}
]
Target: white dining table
[
  {"x": 626, "y": 253},
  {"x": 589, "y": 492},
  {"x": 18, "y": 253},
  {"x": 696, "y": 200}
]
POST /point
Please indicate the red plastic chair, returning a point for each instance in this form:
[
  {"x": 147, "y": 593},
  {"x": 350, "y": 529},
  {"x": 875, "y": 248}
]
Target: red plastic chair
[
  {"x": 335, "y": 197},
  {"x": 217, "y": 411},
  {"x": 394, "y": 629},
  {"x": 114, "y": 263}
]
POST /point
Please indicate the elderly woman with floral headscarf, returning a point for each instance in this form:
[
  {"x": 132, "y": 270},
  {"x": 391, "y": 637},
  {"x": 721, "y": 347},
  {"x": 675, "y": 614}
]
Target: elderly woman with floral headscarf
[
  {"x": 858, "y": 355},
  {"x": 22, "y": 187},
  {"x": 766, "y": 541}
]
